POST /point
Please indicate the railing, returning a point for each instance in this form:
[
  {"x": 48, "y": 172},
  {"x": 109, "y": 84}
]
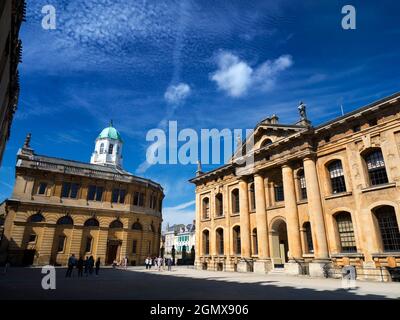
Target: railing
[{"x": 383, "y": 274}]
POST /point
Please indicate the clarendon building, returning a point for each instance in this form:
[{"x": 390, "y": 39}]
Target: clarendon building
[
  {"x": 315, "y": 198},
  {"x": 61, "y": 207}
]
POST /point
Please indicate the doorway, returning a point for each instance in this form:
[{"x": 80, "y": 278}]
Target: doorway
[
  {"x": 112, "y": 251},
  {"x": 279, "y": 243}
]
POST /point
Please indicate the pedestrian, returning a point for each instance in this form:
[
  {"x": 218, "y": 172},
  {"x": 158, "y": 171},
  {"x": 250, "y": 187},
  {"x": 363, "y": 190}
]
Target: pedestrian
[
  {"x": 91, "y": 265},
  {"x": 155, "y": 262},
  {"x": 125, "y": 262},
  {"x": 6, "y": 266},
  {"x": 71, "y": 263},
  {"x": 87, "y": 266},
  {"x": 146, "y": 262},
  {"x": 169, "y": 263},
  {"x": 159, "y": 263},
  {"x": 79, "y": 266},
  {"x": 97, "y": 266}
]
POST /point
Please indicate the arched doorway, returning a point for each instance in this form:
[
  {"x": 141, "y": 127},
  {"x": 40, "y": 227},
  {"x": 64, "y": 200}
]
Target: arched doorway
[{"x": 279, "y": 243}]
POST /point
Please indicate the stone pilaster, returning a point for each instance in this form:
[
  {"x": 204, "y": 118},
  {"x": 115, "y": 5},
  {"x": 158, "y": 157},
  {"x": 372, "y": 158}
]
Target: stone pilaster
[
  {"x": 245, "y": 264},
  {"x": 292, "y": 218}
]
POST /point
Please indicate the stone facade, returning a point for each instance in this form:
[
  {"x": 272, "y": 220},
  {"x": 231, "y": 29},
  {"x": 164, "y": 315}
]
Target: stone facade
[
  {"x": 315, "y": 199},
  {"x": 61, "y": 207},
  {"x": 12, "y": 13}
]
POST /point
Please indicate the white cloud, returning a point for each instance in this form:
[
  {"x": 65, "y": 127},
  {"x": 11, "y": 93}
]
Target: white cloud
[
  {"x": 177, "y": 94},
  {"x": 236, "y": 76},
  {"x": 179, "y": 213}
]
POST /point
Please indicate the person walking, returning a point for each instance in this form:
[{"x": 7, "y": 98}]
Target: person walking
[
  {"x": 169, "y": 264},
  {"x": 79, "y": 266},
  {"x": 146, "y": 262},
  {"x": 91, "y": 265},
  {"x": 125, "y": 261},
  {"x": 159, "y": 263},
  {"x": 71, "y": 264},
  {"x": 87, "y": 266},
  {"x": 97, "y": 266}
]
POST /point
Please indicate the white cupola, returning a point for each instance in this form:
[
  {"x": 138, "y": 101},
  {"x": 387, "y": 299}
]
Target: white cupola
[{"x": 108, "y": 148}]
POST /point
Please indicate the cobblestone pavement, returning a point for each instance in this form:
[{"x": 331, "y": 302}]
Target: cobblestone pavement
[{"x": 184, "y": 283}]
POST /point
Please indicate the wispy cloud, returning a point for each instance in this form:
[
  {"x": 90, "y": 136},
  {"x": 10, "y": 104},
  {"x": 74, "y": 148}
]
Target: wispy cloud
[
  {"x": 235, "y": 76},
  {"x": 180, "y": 213},
  {"x": 177, "y": 94}
]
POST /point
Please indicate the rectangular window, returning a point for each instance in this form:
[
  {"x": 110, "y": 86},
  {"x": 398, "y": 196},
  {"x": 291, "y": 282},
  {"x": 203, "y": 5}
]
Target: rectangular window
[
  {"x": 42, "y": 188},
  {"x": 110, "y": 149},
  {"x": 134, "y": 246},
  {"x": 74, "y": 190},
  {"x": 61, "y": 243},
  {"x": 138, "y": 199},
  {"x": 95, "y": 193},
  {"x": 279, "y": 196},
  {"x": 115, "y": 195}
]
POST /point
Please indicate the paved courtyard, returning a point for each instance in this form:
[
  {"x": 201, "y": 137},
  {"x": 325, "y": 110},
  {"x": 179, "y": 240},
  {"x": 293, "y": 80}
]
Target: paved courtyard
[{"x": 184, "y": 283}]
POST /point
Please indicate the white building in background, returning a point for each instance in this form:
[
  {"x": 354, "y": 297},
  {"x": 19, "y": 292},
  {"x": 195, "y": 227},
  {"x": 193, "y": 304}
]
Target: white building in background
[{"x": 179, "y": 236}]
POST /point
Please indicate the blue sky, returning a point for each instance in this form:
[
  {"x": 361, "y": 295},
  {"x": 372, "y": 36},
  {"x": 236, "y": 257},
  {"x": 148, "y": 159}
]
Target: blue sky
[{"x": 206, "y": 64}]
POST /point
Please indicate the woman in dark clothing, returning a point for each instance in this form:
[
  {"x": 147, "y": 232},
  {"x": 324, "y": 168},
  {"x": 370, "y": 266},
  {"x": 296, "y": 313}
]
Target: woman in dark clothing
[
  {"x": 87, "y": 266},
  {"x": 97, "y": 266},
  {"x": 79, "y": 266},
  {"x": 91, "y": 264}
]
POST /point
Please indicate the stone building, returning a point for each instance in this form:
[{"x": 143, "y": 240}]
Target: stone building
[
  {"x": 59, "y": 207},
  {"x": 12, "y": 13},
  {"x": 315, "y": 198}
]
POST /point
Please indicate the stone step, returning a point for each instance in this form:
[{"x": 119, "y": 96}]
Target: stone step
[{"x": 277, "y": 271}]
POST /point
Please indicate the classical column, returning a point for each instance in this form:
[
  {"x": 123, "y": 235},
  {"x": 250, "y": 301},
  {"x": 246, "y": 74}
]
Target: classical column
[
  {"x": 198, "y": 233},
  {"x": 244, "y": 220},
  {"x": 292, "y": 218},
  {"x": 261, "y": 218},
  {"x": 263, "y": 264},
  {"x": 315, "y": 210}
]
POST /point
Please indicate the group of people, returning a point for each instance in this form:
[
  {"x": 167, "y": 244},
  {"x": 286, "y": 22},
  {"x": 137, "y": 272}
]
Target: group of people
[
  {"x": 159, "y": 263},
  {"x": 86, "y": 266},
  {"x": 123, "y": 263}
]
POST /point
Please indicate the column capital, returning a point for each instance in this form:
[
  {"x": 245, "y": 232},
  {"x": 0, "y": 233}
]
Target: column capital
[{"x": 310, "y": 157}]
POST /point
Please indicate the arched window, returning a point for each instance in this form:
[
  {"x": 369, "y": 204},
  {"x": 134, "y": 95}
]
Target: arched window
[
  {"x": 336, "y": 175},
  {"x": 116, "y": 224},
  {"x": 302, "y": 184},
  {"x": 137, "y": 226},
  {"x": 66, "y": 220},
  {"x": 102, "y": 148},
  {"x": 235, "y": 201},
  {"x": 346, "y": 232},
  {"x": 388, "y": 227},
  {"x": 252, "y": 197},
  {"x": 255, "y": 241},
  {"x": 265, "y": 143},
  {"x": 220, "y": 240},
  {"x": 206, "y": 208},
  {"x": 219, "y": 205},
  {"x": 236, "y": 240},
  {"x": 376, "y": 167},
  {"x": 206, "y": 242},
  {"x": 37, "y": 217},
  {"x": 92, "y": 222},
  {"x": 308, "y": 237}
]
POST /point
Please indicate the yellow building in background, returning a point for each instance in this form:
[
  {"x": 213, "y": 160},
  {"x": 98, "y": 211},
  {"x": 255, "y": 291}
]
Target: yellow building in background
[
  {"x": 314, "y": 200},
  {"x": 61, "y": 207}
]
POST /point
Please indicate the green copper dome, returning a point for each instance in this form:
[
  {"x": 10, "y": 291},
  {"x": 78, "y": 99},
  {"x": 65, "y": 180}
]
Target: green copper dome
[{"x": 110, "y": 132}]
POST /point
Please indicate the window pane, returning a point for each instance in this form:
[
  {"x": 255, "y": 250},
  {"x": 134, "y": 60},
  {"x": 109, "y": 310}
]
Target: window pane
[
  {"x": 42, "y": 188},
  {"x": 91, "y": 192},
  {"x": 346, "y": 232},
  {"x": 88, "y": 244},
  {"x": 122, "y": 196},
  {"x": 74, "y": 190},
  {"x": 376, "y": 168},
  {"x": 99, "y": 193},
  {"x": 66, "y": 189},
  {"x": 279, "y": 195},
  {"x": 389, "y": 229},
  {"x": 115, "y": 195},
  {"x": 61, "y": 242}
]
